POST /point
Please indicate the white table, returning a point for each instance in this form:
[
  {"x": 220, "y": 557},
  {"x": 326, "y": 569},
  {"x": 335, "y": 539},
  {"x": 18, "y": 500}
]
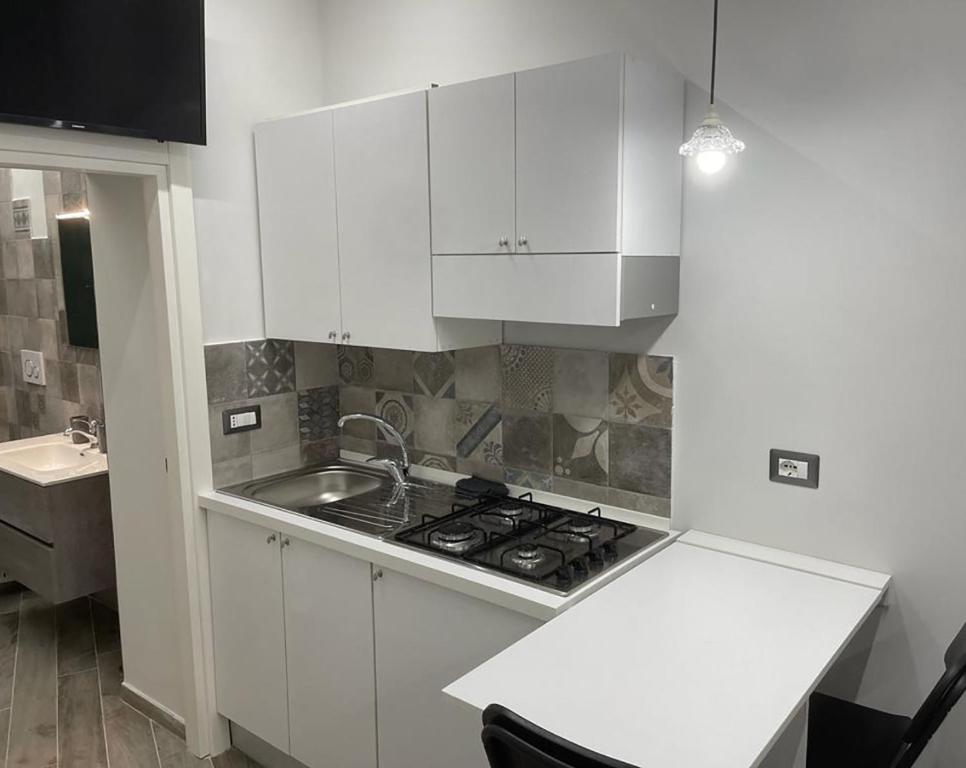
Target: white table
[{"x": 703, "y": 656}]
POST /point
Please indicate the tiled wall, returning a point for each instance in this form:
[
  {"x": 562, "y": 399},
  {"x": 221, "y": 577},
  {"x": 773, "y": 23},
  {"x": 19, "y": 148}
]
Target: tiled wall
[
  {"x": 581, "y": 423},
  {"x": 32, "y": 317}
]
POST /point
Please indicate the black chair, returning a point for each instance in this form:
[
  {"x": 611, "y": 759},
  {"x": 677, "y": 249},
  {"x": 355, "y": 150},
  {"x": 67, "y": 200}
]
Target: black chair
[
  {"x": 512, "y": 742},
  {"x": 846, "y": 735}
]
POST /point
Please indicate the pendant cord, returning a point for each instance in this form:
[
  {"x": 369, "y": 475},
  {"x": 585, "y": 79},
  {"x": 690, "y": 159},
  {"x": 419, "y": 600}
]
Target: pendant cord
[{"x": 714, "y": 49}]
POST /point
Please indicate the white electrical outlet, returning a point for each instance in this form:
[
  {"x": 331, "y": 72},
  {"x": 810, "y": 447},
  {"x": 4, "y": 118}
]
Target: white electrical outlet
[
  {"x": 793, "y": 468},
  {"x": 32, "y": 365},
  {"x": 246, "y": 419}
]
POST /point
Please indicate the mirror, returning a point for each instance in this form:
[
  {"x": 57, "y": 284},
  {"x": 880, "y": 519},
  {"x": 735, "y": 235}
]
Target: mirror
[{"x": 77, "y": 267}]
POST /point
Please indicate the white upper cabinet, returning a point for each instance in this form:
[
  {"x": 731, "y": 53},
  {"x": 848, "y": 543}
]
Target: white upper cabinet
[
  {"x": 471, "y": 140},
  {"x": 568, "y": 130},
  {"x": 299, "y": 240}
]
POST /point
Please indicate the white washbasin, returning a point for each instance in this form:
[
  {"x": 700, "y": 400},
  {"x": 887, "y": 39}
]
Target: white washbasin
[{"x": 50, "y": 459}]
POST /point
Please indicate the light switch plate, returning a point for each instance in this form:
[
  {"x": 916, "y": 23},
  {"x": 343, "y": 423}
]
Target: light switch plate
[
  {"x": 793, "y": 468},
  {"x": 32, "y": 365},
  {"x": 243, "y": 419}
]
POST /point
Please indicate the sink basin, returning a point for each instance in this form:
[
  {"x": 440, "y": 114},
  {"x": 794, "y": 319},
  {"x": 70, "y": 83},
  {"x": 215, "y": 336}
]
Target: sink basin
[
  {"x": 359, "y": 497},
  {"x": 320, "y": 486},
  {"x": 50, "y": 459}
]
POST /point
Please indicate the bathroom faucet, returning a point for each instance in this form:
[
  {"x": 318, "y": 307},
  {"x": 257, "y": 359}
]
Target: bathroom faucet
[
  {"x": 398, "y": 469},
  {"x": 94, "y": 434}
]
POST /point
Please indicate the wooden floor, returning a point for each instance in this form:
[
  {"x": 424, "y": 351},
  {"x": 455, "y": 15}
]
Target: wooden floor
[{"x": 60, "y": 693}]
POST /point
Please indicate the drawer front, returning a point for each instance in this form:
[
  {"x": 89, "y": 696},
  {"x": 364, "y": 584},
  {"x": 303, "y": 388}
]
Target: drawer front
[
  {"x": 25, "y": 506},
  {"x": 28, "y": 561}
]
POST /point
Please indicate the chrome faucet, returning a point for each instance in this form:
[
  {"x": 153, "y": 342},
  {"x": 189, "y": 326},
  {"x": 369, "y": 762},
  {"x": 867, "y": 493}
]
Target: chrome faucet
[
  {"x": 399, "y": 470},
  {"x": 94, "y": 434}
]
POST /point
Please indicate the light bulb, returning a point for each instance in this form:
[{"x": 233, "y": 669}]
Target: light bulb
[{"x": 711, "y": 161}]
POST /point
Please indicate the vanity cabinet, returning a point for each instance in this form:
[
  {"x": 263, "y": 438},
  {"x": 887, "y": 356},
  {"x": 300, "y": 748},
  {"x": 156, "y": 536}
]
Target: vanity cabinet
[
  {"x": 343, "y": 198},
  {"x": 562, "y": 183},
  {"x": 308, "y": 640}
]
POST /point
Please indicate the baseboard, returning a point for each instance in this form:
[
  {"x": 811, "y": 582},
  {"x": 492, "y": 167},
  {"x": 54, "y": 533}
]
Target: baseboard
[{"x": 152, "y": 709}]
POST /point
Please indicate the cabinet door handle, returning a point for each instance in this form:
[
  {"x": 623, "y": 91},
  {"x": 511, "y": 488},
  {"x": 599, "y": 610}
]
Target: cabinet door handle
[
  {"x": 346, "y": 336},
  {"x": 522, "y": 240},
  {"x": 376, "y": 575},
  {"x": 286, "y": 541},
  {"x": 504, "y": 241},
  {"x": 333, "y": 335},
  {"x": 272, "y": 538}
]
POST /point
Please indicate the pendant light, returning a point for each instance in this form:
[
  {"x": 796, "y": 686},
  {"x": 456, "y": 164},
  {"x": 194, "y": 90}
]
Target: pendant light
[{"x": 712, "y": 142}]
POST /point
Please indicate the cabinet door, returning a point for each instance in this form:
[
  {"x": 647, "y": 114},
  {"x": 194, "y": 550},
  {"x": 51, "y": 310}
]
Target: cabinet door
[
  {"x": 471, "y": 148},
  {"x": 328, "y": 631},
  {"x": 296, "y": 213},
  {"x": 249, "y": 630},
  {"x": 382, "y": 167},
  {"x": 427, "y": 637},
  {"x": 568, "y": 151}
]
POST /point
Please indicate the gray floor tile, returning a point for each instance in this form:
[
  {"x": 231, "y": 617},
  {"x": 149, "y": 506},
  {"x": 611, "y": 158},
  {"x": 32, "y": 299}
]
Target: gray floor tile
[
  {"x": 9, "y": 623},
  {"x": 33, "y": 726},
  {"x": 107, "y": 630},
  {"x": 75, "y": 637},
  {"x": 233, "y": 759},
  {"x": 79, "y": 724},
  {"x": 130, "y": 743},
  {"x": 173, "y": 751}
]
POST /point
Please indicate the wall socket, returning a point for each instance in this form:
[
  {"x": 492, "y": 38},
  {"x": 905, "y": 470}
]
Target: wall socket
[
  {"x": 242, "y": 419},
  {"x": 32, "y": 365},
  {"x": 793, "y": 468}
]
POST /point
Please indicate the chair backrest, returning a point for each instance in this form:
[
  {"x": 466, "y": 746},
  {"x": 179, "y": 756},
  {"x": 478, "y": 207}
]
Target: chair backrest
[
  {"x": 937, "y": 705},
  {"x": 512, "y": 742}
]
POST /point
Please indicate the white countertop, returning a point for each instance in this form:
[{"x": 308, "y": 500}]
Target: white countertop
[
  {"x": 51, "y": 459},
  {"x": 696, "y": 658},
  {"x": 475, "y": 582}
]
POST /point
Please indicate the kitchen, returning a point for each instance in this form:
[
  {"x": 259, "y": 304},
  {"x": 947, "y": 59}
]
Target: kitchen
[{"x": 812, "y": 280}]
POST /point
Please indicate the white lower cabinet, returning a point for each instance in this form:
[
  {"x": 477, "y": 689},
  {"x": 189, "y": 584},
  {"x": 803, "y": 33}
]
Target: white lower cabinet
[
  {"x": 339, "y": 663},
  {"x": 427, "y": 637}
]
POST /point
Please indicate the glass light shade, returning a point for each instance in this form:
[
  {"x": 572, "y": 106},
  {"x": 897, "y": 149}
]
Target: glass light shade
[{"x": 712, "y": 144}]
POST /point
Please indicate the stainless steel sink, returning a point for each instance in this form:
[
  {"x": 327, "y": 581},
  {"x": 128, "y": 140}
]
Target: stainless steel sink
[{"x": 351, "y": 496}]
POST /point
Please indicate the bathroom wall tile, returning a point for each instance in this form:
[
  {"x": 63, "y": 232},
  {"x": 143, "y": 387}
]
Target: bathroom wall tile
[
  {"x": 393, "y": 370},
  {"x": 43, "y": 256},
  {"x": 52, "y": 184},
  {"x": 6, "y": 222},
  {"x": 71, "y": 182},
  {"x": 225, "y": 447},
  {"x": 46, "y": 300},
  {"x": 69, "y": 381},
  {"x": 358, "y": 400},
  {"x": 87, "y": 356},
  {"x": 639, "y": 502},
  {"x": 580, "y": 448},
  {"x": 279, "y": 460},
  {"x": 356, "y": 366},
  {"x": 398, "y": 409},
  {"x": 89, "y": 384},
  {"x": 316, "y": 365},
  {"x": 8, "y": 260},
  {"x": 279, "y": 423},
  {"x": 478, "y": 374},
  {"x": 6, "y": 185},
  {"x": 25, "y": 259},
  {"x": 318, "y": 413},
  {"x": 224, "y": 473},
  {"x": 641, "y": 389},
  {"x": 225, "y": 372},
  {"x": 580, "y": 382},
  {"x": 319, "y": 451},
  {"x": 597, "y": 494},
  {"x": 435, "y": 423},
  {"x": 434, "y": 374},
  {"x": 528, "y": 442},
  {"x": 640, "y": 459},
  {"x": 270, "y": 367},
  {"x": 538, "y": 481},
  {"x": 527, "y": 377},
  {"x": 74, "y": 201},
  {"x": 479, "y": 434}
]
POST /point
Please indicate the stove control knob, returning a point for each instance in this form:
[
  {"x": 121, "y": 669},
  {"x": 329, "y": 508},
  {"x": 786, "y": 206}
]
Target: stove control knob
[
  {"x": 610, "y": 551},
  {"x": 580, "y": 567},
  {"x": 596, "y": 558}
]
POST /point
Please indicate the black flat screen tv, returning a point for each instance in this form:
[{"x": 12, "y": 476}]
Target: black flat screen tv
[{"x": 129, "y": 67}]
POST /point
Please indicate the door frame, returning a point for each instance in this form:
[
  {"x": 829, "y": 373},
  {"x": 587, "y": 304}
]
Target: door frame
[{"x": 173, "y": 254}]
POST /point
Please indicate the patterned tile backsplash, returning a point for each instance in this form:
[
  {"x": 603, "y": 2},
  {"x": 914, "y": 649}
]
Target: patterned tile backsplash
[{"x": 588, "y": 424}]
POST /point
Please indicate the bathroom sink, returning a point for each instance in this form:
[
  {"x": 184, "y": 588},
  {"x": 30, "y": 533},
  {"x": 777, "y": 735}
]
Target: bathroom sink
[{"x": 50, "y": 459}]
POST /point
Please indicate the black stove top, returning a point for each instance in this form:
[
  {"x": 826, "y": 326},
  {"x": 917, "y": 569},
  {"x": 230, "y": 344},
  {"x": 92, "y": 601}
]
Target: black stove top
[{"x": 554, "y": 548}]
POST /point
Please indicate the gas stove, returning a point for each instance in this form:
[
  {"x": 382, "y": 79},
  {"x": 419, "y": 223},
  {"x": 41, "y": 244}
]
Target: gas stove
[{"x": 550, "y": 547}]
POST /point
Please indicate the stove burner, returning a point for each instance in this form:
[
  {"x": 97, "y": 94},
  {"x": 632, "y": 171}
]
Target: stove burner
[
  {"x": 512, "y": 511},
  {"x": 527, "y": 556},
  {"x": 582, "y": 527},
  {"x": 457, "y": 536}
]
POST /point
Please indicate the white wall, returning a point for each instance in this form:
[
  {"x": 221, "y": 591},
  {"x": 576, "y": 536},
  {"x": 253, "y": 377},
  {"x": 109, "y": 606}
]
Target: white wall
[
  {"x": 263, "y": 60},
  {"x": 822, "y": 278}
]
